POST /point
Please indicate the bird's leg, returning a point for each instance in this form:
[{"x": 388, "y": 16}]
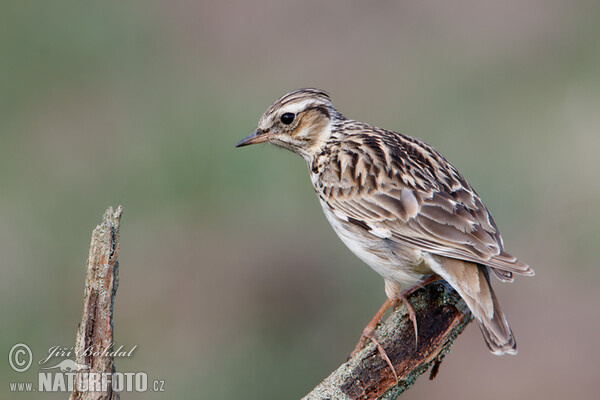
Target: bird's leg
[
  {"x": 369, "y": 333},
  {"x": 403, "y": 297}
]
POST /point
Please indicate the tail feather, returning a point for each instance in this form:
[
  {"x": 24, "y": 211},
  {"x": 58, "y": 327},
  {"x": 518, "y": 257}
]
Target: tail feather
[
  {"x": 496, "y": 331},
  {"x": 472, "y": 282}
]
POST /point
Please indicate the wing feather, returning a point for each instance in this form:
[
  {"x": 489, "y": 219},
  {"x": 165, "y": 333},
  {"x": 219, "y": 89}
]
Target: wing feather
[{"x": 437, "y": 211}]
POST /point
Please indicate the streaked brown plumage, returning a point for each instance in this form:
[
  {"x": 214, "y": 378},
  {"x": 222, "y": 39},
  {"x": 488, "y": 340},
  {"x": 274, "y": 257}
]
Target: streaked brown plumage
[{"x": 397, "y": 204}]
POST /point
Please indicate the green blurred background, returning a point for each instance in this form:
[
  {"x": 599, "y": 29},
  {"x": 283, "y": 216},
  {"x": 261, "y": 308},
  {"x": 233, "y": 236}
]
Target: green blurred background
[{"x": 232, "y": 283}]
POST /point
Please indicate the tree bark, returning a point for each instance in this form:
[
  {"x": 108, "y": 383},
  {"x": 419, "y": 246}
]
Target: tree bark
[
  {"x": 441, "y": 316},
  {"x": 95, "y": 333}
]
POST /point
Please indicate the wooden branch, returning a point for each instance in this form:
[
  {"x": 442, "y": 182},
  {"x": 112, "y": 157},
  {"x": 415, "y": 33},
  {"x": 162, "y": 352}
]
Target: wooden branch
[
  {"x": 95, "y": 334},
  {"x": 441, "y": 316}
]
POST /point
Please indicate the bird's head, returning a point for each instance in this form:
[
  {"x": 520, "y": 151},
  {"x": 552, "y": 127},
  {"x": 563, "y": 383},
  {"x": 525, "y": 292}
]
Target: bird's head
[{"x": 299, "y": 121}]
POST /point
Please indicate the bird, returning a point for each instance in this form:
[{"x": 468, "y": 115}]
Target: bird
[{"x": 400, "y": 207}]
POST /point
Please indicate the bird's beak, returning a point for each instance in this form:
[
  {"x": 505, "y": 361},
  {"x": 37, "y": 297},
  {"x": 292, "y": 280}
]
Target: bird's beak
[{"x": 257, "y": 136}]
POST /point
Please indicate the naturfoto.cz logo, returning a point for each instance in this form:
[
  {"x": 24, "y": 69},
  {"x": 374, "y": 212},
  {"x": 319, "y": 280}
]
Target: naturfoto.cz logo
[{"x": 68, "y": 375}]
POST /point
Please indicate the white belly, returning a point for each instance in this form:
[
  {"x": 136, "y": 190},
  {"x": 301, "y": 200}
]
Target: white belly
[{"x": 372, "y": 250}]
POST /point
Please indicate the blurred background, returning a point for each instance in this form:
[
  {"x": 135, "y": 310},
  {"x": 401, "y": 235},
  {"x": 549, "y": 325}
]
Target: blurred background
[{"x": 232, "y": 283}]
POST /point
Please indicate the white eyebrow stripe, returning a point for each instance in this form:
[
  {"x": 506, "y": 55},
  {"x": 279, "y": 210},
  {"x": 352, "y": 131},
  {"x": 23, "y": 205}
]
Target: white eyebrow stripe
[{"x": 296, "y": 107}]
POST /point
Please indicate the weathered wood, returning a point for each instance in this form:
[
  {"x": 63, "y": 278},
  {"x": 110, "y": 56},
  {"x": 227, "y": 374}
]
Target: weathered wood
[
  {"x": 441, "y": 316},
  {"x": 95, "y": 334}
]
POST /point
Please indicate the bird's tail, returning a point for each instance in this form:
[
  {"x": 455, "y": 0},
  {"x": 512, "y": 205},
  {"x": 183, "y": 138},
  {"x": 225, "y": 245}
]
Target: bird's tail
[{"x": 472, "y": 282}]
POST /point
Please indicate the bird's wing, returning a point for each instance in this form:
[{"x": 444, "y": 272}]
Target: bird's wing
[{"x": 414, "y": 199}]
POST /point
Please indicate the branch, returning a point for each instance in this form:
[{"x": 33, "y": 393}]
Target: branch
[
  {"x": 95, "y": 334},
  {"x": 441, "y": 316}
]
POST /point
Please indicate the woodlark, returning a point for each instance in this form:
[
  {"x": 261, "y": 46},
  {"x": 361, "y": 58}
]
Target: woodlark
[{"x": 399, "y": 206}]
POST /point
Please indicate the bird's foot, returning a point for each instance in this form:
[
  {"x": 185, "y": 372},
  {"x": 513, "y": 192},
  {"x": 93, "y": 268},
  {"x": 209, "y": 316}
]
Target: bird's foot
[
  {"x": 369, "y": 331},
  {"x": 369, "y": 334},
  {"x": 403, "y": 297}
]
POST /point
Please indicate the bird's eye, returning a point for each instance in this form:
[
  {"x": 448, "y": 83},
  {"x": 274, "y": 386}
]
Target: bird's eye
[{"x": 287, "y": 118}]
